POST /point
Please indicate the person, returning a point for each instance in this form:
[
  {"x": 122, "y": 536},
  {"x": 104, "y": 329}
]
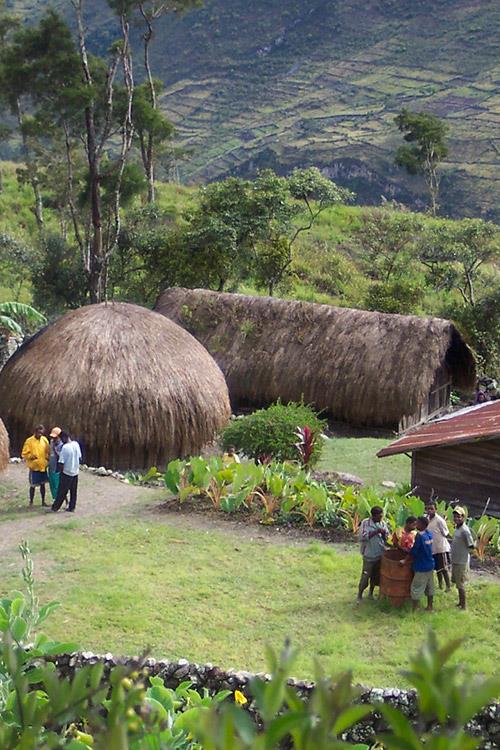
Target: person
[
  {"x": 36, "y": 454},
  {"x": 404, "y": 538},
  {"x": 373, "y": 535},
  {"x": 230, "y": 456},
  {"x": 461, "y": 544},
  {"x": 69, "y": 467},
  {"x": 54, "y": 451},
  {"x": 440, "y": 545},
  {"x": 423, "y": 565}
]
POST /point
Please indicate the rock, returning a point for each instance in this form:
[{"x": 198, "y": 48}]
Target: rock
[
  {"x": 387, "y": 483},
  {"x": 337, "y": 477},
  {"x": 109, "y": 472},
  {"x": 102, "y": 472},
  {"x": 14, "y": 460}
]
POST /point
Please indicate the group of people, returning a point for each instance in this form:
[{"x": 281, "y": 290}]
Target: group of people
[
  {"x": 54, "y": 460},
  {"x": 428, "y": 548}
]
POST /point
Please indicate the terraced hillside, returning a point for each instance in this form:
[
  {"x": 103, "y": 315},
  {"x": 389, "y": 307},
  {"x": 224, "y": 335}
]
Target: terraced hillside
[{"x": 273, "y": 83}]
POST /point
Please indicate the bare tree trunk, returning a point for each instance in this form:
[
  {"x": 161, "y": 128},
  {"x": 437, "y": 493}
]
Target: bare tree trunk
[
  {"x": 95, "y": 259},
  {"x": 148, "y": 155},
  {"x": 31, "y": 167}
]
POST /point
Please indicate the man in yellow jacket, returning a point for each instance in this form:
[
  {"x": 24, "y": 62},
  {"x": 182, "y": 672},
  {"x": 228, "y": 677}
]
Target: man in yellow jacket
[{"x": 36, "y": 454}]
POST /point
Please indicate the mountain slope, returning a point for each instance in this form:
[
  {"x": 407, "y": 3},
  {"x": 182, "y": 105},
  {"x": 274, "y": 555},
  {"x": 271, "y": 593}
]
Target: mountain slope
[{"x": 291, "y": 83}]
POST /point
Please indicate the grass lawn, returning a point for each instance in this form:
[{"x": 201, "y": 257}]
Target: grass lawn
[
  {"x": 357, "y": 455},
  {"x": 135, "y": 582}
]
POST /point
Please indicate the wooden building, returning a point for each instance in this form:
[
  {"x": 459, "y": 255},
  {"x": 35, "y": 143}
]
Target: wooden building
[{"x": 457, "y": 458}]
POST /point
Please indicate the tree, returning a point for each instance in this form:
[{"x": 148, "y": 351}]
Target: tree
[
  {"x": 153, "y": 128},
  {"x": 426, "y": 136},
  {"x": 384, "y": 241},
  {"x": 455, "y": 252}
]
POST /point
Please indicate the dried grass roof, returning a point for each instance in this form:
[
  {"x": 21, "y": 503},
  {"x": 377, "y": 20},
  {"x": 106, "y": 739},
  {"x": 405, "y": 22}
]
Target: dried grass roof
[
  {"x": 361, "y": 367},
  {"x": 135, "y": 388},
  {"x": 4, "y": 447}
]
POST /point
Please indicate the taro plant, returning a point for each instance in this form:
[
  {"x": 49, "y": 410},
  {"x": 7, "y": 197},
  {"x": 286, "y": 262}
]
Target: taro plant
[
  {"x": 487, "y": 533},
  {"x": 311, "y": 502}
]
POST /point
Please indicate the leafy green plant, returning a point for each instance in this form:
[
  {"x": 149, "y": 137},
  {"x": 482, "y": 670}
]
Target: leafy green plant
[{"x": 272, "y": 432}]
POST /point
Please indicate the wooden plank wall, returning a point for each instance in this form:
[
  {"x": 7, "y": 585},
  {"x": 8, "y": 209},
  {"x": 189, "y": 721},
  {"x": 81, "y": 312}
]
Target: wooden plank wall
[{"x": 469, "y": 472}]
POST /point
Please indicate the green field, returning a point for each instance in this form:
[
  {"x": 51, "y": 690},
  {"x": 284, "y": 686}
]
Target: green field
[
  {"x": 131, "y": 577},
  {"x": 359, "y": 456}
]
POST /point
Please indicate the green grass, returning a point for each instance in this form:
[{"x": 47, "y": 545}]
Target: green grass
[
  {"x": 216, "y": 597},
  {"x": 356, "y": 455}
]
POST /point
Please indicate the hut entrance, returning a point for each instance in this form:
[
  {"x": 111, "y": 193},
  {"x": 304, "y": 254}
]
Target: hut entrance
[{"x": 437, "y": 401}]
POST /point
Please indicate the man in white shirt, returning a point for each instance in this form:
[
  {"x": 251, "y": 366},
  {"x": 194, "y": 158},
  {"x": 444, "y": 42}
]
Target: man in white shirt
[
  {"x": 440, "y": 545},
  {"x": 69, "y": 467}
]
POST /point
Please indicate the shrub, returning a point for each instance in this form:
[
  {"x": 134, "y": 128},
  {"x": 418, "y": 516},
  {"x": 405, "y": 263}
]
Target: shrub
[{"x": 272, "y": 433}]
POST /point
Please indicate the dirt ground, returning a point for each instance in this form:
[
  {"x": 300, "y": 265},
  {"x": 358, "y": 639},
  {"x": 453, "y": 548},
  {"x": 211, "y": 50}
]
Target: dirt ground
[{"x": 99, "y": 497}]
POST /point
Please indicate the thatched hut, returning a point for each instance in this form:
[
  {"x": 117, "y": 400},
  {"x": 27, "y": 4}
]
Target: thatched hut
[
  {"x": 363, "y": 368},
  {"x": 4, "y": 447},
  {"x": 132, "y": 386}
]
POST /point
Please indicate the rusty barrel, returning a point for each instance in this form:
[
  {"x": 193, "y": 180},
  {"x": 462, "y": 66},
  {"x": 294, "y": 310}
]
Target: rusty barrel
[{"x": 395, "y": 579}]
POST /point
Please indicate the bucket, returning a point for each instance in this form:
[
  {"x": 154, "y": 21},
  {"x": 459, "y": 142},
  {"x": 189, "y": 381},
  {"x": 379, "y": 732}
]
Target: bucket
[{"x": 395, "y": 579}]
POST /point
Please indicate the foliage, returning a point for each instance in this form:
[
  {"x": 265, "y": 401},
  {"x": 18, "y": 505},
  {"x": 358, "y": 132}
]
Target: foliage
[
  {"x": 481, "y": 325},
  {"x": 272, "y": 432},
  {"x": 402, "y": 296},
  {"x": 454, "y": 253},
  {"x": 58, "y": 282},
  {"x": 426, "y": 136},
  {"x": 288, "y": 492},
  {"x": 12, "y": 312}
]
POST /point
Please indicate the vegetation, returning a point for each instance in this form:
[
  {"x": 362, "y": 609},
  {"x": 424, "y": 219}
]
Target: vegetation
[
  {"x": 287, "y": 493},
  {"x": 219, "y": 585},
  {"x": 40, "y": 710},
  {"x": 425, "y": 149},
  {"x": 272, "y": 433}
]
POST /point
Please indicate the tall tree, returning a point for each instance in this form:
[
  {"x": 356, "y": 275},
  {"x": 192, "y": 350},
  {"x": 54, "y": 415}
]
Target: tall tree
[
  {"x": 426, "y": 147},
  {"x": 99, "y": 128},
  {"x": 153, "y": 128}
]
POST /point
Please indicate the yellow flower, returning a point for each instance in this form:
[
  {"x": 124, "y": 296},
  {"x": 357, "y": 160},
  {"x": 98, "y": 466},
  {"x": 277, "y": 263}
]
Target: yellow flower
[{"x": 239, "y": 698}]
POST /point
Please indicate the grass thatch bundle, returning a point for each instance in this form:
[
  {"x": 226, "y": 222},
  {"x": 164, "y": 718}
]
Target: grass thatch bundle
[
  {"x": 132, "y": 386},
  {"x": 363, "y": 368},
  {"x": 4, "y": 447}
]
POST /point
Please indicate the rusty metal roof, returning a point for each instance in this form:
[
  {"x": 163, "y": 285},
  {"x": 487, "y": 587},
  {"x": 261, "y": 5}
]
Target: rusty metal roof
[{"x": 480, "y": 422}]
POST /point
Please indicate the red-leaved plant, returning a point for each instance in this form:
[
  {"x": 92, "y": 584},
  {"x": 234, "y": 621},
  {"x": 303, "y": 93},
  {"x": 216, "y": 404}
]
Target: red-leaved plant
[{"x": 306, "y": 445}]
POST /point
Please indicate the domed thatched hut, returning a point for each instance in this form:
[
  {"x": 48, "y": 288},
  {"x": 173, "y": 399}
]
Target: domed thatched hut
[
  {"x": 4, "y": 447},
  {"x": 363, "y": 368},
  {"x": 133, "y": 387}
]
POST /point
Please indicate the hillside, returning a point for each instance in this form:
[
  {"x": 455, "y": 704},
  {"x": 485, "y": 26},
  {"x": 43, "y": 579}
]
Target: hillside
[{"x": 284, "y": 84}]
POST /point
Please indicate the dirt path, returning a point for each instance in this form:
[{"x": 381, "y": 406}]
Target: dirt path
[{"x": 97, "y": 497}]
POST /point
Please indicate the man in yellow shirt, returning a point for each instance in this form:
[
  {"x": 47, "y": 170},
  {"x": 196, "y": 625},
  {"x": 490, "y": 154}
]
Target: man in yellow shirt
[{"x": 36, "y": 454}]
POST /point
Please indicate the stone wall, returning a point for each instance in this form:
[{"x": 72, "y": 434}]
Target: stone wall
[{"x": 485, "y": 724}]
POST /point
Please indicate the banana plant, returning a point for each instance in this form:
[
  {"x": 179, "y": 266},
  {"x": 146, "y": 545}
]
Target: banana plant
[{"x": 11, "y": 312}]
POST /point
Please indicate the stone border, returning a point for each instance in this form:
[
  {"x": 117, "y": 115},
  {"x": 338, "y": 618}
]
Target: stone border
[{"x": 486, "y": 723}]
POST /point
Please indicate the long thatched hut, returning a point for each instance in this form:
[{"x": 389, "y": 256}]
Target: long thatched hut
[
  {"x": 363, "y": 368},
  {"x": 132, "y": 386},
  {"x": 4, "y": 447}
]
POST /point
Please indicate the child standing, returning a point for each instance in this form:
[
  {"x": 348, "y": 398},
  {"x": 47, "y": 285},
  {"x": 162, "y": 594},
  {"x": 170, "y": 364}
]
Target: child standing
[
  {"x": 461, "y": 545},
  {"x": 423, "y": 565}
]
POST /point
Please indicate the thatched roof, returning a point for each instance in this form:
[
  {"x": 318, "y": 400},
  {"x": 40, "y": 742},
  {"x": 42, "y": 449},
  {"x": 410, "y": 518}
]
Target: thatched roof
[
  {"x": 132, "y": 386},
  {"x": 4, "y": 447},
  {"x": 361, "y": 367}
]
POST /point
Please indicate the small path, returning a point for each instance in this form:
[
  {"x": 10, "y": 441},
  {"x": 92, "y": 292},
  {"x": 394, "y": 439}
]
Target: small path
[{"x": 97, "y": 496}]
